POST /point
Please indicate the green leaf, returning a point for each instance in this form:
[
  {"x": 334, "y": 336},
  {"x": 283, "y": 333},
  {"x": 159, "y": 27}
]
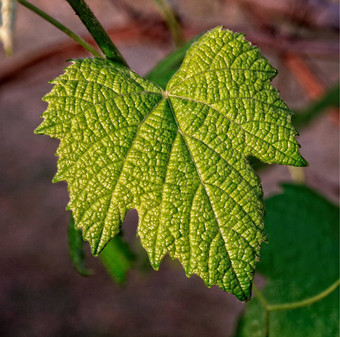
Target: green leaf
[
  {"x": 76, "y": 248},
  {"x": 178, "y": 156},
  {"x": 300, "y": 261},
  {"x": 117, "y": 259}
]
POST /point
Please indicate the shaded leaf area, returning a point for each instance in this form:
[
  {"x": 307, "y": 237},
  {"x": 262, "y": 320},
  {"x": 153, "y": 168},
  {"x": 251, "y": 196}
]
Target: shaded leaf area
[
  {"x": 117, "y": 259},
  {"x": 177, "y": 156},
  {"x": 300, "y": 261}
]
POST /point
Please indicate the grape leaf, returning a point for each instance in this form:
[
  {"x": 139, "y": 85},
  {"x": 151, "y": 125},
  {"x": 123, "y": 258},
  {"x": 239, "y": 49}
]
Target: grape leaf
[
  {"x": 178, "y": 156},
  {"x": 300, "y": 261}
]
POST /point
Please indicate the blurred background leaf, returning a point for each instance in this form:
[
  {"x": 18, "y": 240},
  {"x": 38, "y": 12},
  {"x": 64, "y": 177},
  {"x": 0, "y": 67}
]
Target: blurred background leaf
[
  {"x": 76, "y": 248},
  {"x": 167, "y": 67},
  {"x": 117, "y": 259},
  {"x": 300, "y": 261}
]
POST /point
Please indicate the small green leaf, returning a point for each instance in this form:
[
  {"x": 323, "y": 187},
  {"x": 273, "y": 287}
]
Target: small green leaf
[
  {"x": 117, "y": 259},
  {"x": 300, "y": 261},
  {"x": 178, "y": 156},
  {"x": 76, "y": 248}
]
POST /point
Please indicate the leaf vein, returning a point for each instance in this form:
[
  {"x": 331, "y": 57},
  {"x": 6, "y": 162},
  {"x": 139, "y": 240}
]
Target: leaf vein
[{"x": 211, "y": 204}]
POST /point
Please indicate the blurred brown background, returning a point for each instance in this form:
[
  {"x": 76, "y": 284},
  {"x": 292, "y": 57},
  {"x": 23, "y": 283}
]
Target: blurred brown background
[{"x": 40, "y": 292}]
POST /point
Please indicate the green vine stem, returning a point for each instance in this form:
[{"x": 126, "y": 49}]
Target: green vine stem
[
  {"x": 96, "y": 30},
  {"x": 258, "y": 293},
  {"x": 170, "y": 18},
  {"x": 307, "y": 301},
  {"x": 294, "y": 305},
  {"x": 61, "y": 27}
]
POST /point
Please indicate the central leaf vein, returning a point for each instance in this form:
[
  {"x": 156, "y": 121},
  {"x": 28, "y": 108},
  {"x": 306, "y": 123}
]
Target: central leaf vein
[{"x": 209, "y": 198}]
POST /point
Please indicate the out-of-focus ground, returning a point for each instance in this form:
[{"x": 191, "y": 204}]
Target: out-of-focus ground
[{"x": 40, "y": 293}]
